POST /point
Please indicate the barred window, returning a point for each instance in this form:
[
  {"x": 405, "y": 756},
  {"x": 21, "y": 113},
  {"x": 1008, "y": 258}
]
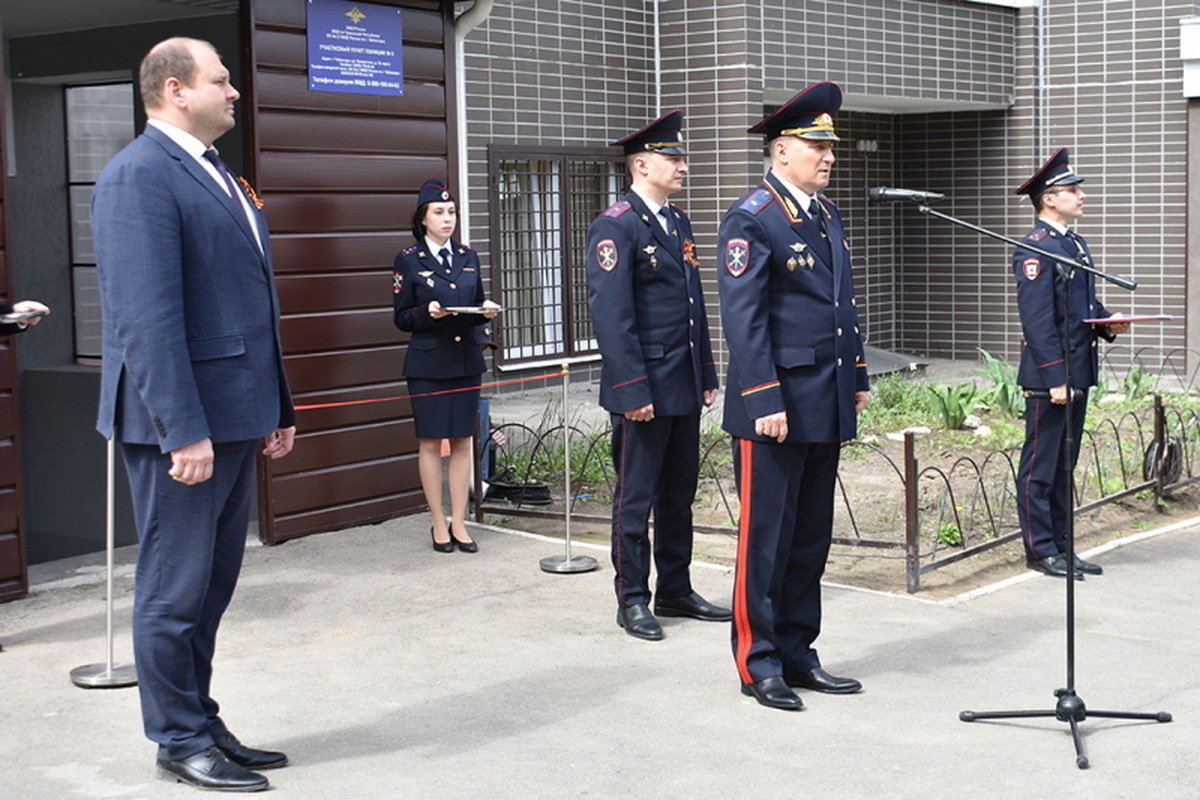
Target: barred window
[{"x": 542, "y": 202}]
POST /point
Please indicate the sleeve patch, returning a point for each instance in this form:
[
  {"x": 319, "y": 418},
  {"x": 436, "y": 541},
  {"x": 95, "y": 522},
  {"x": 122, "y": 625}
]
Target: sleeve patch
[
  {"x": 737, "y": 256},
  {"x": 617, "y": 209},
  {"x": 1031, "y": 268},
  {"x": 606, "y": 254},
  {"x": 397, "y": 282}
]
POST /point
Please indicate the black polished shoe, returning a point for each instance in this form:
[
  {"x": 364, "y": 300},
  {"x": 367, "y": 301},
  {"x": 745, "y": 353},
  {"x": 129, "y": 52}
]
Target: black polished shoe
[
  {"x": 211, "y": 769},
  {"x": 468, "y": 546},
  {"x": 248, "y": 757},
  {"x": 773, "y": 692},
  {"x": 1087, "y": 567},
  {"x": 692, "y": 605},
  {"x": 1055, "y": 565},
  {"x": 638, "y": 621},
  {"x": 819, "y": 680},
  {"x": 442, "y": 547}
]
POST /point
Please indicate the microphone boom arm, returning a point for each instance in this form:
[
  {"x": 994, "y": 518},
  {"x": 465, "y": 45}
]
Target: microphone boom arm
[{"x": 1119, "y": 280}]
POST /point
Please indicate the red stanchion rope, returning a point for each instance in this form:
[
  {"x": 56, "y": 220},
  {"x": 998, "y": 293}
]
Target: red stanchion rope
[{"x": 429, "y": 394}]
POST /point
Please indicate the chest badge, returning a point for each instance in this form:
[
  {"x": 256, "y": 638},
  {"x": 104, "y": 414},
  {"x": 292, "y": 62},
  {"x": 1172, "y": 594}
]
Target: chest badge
[{"x": 650, "y": 250}]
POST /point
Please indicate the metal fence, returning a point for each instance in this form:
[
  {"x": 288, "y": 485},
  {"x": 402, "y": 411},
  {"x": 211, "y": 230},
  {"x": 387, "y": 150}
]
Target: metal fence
[{"x": 933, "y": 514}]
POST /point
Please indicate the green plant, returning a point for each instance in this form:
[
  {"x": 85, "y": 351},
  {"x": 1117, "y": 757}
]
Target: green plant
[
  {"x": 953, "y": 402},
  {"x": 1137, "y": 382},
  {"x": 949, "y": 534},
  {"x": 896, "y": 402},
  {"x": 1004, "y": 394}
]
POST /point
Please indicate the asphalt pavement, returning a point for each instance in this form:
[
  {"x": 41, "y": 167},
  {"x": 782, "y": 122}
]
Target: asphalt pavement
[{"x": 387, "y": 670}]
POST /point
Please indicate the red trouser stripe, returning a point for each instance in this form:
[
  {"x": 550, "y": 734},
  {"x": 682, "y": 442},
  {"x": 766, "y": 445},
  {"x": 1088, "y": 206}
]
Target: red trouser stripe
[{"x": 741, "y": 619}]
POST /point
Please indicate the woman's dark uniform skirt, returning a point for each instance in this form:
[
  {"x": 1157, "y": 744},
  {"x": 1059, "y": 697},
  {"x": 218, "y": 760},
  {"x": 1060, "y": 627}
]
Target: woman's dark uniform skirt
[{"x": 445, "y": 416}]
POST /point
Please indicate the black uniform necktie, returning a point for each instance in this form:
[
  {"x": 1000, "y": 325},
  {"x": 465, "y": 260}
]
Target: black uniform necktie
[
  {"x": 444, "y": 255},
  {"x": 670, "y": 223},
  {"x": 814, "y": 211}
]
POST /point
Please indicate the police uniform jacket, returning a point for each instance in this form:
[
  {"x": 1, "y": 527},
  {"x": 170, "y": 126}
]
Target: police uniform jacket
[
  {"x": 1039, "y": 302},
  {"x": 449, "y": 347},
  {"x": 789, "y": 316},
  {"x": 648, "y": 311}
]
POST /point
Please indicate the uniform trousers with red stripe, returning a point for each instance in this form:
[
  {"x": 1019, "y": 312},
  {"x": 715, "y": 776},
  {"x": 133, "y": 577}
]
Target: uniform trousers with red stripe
[
  {"x": 1044, "y": 507},
  {"x": 786, "y": 492},
  {"x": 657, "y": 464}
]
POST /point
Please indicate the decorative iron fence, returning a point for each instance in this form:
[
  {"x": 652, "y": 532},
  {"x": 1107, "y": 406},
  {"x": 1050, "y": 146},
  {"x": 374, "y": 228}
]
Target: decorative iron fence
[{"x": 933, "y": 515}]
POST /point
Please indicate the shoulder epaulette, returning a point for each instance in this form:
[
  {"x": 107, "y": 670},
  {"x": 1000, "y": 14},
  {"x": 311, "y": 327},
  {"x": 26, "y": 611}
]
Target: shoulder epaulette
[
  {"x": 618, "y": 208},
  {"x": 757, "y": 201},
  {"x": 1037, "y": 234},
  {"x": 411, "y": 250}
]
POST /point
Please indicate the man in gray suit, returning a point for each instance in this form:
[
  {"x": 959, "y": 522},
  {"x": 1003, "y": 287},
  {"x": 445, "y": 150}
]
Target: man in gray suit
[{"x": 192, "y": 386}]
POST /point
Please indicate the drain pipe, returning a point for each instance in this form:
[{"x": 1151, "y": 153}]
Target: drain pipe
[{"x": 467, "y": 22}]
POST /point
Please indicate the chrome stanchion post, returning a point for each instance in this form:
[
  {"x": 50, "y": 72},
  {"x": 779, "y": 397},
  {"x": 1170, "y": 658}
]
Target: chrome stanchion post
[
  {"x": 107, "y": 675},
  {"x": 567, "y": 562}
]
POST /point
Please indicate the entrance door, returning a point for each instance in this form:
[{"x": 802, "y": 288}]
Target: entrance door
[{"x": 14, "y": 577}]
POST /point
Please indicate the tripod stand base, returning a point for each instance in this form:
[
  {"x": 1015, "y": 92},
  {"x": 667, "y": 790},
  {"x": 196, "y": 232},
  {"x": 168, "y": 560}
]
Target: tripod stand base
[
  {"x": 104, "y": 676},
  {"x": 571, "y": 564},
  {"x": 1070, "y": 708}
]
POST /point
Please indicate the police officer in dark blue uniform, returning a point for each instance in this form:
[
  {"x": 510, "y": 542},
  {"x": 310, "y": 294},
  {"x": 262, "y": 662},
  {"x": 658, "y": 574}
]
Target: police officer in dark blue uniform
[
  {"x": 430, "y": 280},
  {"x": 650, "y": 322},
  {"x": 1043, "y": 504},
  {"x": 796, "y": 383}
]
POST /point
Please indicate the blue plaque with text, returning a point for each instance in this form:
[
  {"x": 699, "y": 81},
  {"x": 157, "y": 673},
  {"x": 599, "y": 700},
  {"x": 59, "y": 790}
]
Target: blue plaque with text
[{"x": 354, "y": 48}]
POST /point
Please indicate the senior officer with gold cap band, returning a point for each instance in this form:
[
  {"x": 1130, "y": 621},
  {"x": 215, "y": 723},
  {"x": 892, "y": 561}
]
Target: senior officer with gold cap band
[
  {"x": 1043, "y": 504},
  {"x": 648, "y": 314},
  {"x": 796, "y": 382}
]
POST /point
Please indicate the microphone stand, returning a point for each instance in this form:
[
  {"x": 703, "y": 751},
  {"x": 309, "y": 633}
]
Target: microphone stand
[{"x": 1070, "y": 707}]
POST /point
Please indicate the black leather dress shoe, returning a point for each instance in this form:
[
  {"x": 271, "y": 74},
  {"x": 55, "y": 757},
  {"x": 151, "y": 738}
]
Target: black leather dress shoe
[
  {"x": 248, "y": 757},
  {"x": 1087, "y": 567},
  {"x": 1055, "y": 565},
  {"x": 819, "y": 680},
  {"x": 638, "y": 621},
  {"x": 692, "y": 605},
  {"x": 211, "y": 769},
  {"x": 773, "y": 692}
]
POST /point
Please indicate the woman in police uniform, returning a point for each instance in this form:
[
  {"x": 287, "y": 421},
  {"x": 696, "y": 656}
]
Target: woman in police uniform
[{"x": 445, "y": 354}]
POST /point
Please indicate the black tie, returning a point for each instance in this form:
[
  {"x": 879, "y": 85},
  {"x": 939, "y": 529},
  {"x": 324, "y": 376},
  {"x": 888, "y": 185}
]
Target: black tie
[
  {"x": 666, "y": 215},
  {"x": 814, "y": 211},
  {"x": 211, "y": 155},
  {"x": 444, "y": 255}
]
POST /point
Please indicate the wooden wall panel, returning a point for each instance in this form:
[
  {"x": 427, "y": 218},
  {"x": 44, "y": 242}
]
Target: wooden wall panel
[
  {"x": 339, "y": 252},
  {"x": 339, "y": 174}
]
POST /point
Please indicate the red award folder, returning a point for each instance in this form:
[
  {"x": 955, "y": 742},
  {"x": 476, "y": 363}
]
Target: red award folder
[{"x": 1139, "y": 318}]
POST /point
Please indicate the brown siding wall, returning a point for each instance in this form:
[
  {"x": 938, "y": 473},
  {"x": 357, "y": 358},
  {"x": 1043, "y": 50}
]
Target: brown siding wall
[{"x": 339, "y": 174}]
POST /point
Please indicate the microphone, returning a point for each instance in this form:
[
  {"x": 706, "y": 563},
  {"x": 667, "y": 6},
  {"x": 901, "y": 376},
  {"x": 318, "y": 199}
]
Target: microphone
[{"x": 884, "y": 193}]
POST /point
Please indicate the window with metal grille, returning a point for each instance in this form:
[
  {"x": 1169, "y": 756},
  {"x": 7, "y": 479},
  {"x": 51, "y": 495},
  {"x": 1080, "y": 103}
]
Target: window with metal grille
[{"x": 541, "y": 203}]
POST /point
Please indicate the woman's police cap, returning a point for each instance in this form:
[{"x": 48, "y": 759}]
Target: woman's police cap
[{"x": 434, "y": 191}]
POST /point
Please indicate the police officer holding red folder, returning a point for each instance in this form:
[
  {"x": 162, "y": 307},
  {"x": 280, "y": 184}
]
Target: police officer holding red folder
[
  {"x": 1043, "y": 504},
  {"x": 796, "y": 382},
  {"x": 648, "y": 314}
]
